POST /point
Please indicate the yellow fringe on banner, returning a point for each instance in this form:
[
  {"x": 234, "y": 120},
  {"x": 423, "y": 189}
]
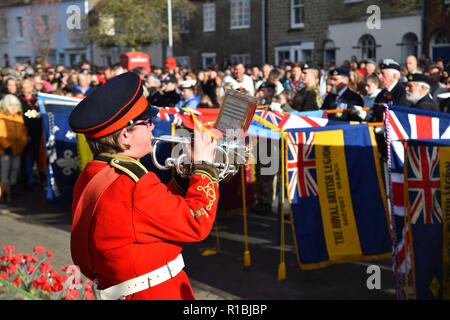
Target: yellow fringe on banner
[
  {"x": 282, "y": 272},
  {"x": 282, "y": 266},
  {"x": 247, "y": 261},
  {"x": 198, "y": 122},
  {"x": 84, "y": 152}
]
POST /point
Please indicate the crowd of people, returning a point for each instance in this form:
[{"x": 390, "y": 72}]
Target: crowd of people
[{"x": 293, "y": 87}]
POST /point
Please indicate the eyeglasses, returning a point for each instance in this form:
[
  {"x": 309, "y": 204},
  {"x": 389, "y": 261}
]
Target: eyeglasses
[{"x": 146, "y": 122}]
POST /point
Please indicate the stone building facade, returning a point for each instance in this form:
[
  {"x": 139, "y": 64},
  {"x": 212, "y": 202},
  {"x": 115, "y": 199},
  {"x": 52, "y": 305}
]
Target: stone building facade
[
  {"x": 296, "y": 30},
  {"x": 374, "y": 30},
  {"x": 437, "y": 29},
  {"x": 219, "y": 30}
]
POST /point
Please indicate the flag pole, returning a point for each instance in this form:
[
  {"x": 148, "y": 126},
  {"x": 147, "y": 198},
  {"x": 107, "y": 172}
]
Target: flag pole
[
  {"x": 282, "y": 266},
  {"x": 247, "y": 260}
]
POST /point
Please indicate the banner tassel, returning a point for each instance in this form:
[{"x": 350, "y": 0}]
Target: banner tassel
[
  {"x": 282, "y": 266},
  {"x": 282, "y": 271}
]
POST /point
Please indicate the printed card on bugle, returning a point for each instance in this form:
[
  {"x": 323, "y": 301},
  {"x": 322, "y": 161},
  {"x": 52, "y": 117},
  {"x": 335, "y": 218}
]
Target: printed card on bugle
[{"x": 236, "y": 112}]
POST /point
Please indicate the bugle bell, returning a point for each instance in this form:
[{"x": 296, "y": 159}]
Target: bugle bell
[{"x": 232, "y": 154}]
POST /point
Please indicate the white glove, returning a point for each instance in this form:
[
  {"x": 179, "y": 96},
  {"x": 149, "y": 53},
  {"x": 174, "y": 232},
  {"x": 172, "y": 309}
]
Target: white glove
[{"x": 359, "y": 112}]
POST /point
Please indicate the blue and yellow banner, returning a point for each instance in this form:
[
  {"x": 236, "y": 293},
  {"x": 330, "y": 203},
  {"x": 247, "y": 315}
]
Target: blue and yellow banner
[
  {"x": 339, "y": 210},
  {"x": 427, "y": 182}
]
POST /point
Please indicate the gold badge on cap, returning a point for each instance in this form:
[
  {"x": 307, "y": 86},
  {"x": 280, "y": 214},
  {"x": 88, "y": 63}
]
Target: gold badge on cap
[
  {"x": 410, "y": 78},
  {"x": 335, "y": 73}
]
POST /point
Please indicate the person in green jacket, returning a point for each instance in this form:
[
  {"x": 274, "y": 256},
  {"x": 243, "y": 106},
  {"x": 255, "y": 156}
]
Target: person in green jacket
[{"x": 309, "y": 98}]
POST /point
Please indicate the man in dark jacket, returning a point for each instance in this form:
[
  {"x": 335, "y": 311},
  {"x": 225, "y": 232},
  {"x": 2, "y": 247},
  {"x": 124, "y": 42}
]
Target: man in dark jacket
[
  {"x": 170, "y": 96},
  {"x": 418, "y": 92},
  {"x": 393, "y": 91},
  {"x": 341, "y": 97}
]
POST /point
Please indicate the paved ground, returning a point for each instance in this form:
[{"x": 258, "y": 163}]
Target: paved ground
[{"x": 30, "y": 221}]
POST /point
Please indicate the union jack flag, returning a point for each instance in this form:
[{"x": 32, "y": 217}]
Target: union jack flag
[
  {"x": 402, "y": 253},
  {"x": 301, "y": 165},
  {"x": 424, "y": 185},
  {"x": 408, "y": 123},
  {"x": 276, "y": 118}
]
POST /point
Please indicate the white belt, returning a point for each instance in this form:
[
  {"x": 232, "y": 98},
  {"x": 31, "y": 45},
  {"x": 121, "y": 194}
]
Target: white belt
[{"x": 140, "y": 283}]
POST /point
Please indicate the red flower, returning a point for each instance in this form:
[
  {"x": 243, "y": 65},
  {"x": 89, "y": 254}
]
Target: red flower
[
  {"x": 54, "y": 274},
  {"x": 89, "y": 296},
  {"x": 39, "y": 250},
  {"x": 45, "y": 266},
  {"x": 31, "y": 268},
  {"x": 11, "y": 268},
  {"x": 58, "y": 280},
  {"x": 42, "y": 283},
  {"x": 71, "y": 294},
  {"x": 16, "y": 258},
  {"x": 73, "y": 270},
  {"x": 9, "y": 249},
  {"x": 28, "y": 258},
  {"x": 16, "y": 281},
  {"x": 38, "y": 281},
  {"x": 50, "y": 254},
  {"x": 57, "y": 286},
  {"x": 3, "y": 276}
]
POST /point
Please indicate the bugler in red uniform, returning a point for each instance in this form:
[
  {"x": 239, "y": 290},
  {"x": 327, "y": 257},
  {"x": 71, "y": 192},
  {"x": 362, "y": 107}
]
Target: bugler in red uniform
[{"x": 136, "y": 224}]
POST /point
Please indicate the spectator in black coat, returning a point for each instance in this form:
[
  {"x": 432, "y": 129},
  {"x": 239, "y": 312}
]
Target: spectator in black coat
[
  {"x": 418, "y": 92},
  {"x": 341, "y": 97},
  {"x": 393, "y": 92}
]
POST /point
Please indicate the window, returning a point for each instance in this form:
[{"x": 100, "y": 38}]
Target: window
[
  {"x": 20, "y": 28},
  {"x": 181, "y": 20},
  {"x": 440, "y": 45},
  {"x": 329, "y": 52},
  {"x": 76, "y": 58},
  {"x": 4, "y": 28},
  {"x": 368, "y": 47},
  {"x": 441, "y": 37},
  {"x": 45, "y": 24},
  {"x": 62, "y": 59},
  {"x": 283, "y": 56},
  {"x": 294, "y": 52},
  {"x": 240, "y": 14},
  {"x": 23, "y": 60},
  {"x": 183, "y": 62},
  {"x": 208, "y": 59},
  {"x": 297, "y": 14},
  {"x": 51, "y": 58},
  {"x": 209, "y": 17},
  {"x": 106, "y": 60},
  {"x": 410, "y": 45},
  {"x": 244, "y": 58}
]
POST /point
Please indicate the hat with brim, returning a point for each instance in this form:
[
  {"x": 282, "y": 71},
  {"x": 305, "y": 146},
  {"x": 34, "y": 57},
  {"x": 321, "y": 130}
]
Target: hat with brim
[
  {"x": 370, "y": 61},
  {"x": 390, "y": 64},
  {"x": 111, "y": 107},
  {"x": 170, "y": 79},
  {"x": 188, "y": 84},
  {"x": 268, "y": 85},
  {"x": 311, "y": 66},
  {"x": 344, "y": 72},
  {"x": 420, "y": 78}
]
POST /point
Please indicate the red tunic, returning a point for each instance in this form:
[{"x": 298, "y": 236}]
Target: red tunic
[{"x": 138, "y": 227}]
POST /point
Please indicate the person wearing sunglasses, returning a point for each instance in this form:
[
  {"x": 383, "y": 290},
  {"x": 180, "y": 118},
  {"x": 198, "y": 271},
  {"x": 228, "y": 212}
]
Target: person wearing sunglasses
[{"x": 128, "y": 227}]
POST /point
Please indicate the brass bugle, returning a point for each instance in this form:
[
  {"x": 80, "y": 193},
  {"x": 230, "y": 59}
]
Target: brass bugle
[{"x": 231, "y": 154}]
